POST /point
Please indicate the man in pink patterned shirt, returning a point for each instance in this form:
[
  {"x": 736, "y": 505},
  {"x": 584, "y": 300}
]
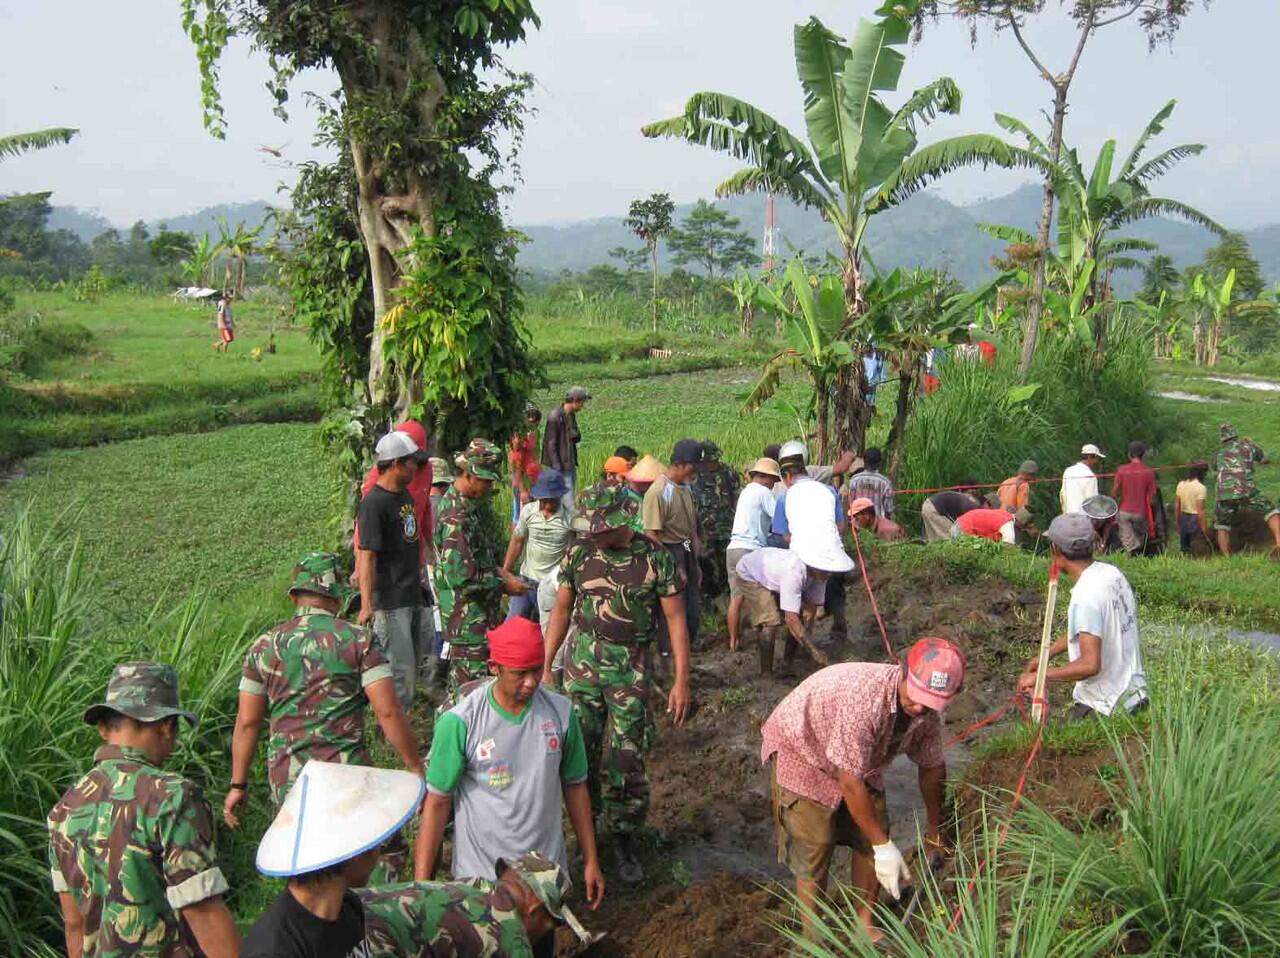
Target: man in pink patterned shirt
[{"x": 830, "y": 739}]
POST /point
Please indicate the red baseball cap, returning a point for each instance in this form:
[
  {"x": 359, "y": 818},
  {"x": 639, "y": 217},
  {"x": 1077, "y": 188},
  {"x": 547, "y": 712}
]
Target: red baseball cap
[
  {"x": 517, "y": 644},
  {"x": 935, "y": 672},
  {"x": 414, "y": 431}
]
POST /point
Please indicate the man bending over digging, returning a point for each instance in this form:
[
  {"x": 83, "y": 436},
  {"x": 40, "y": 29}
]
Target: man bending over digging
[{"x": 830, "y": 740}]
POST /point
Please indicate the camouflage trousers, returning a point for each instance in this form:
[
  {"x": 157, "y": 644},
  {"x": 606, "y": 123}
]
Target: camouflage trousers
[
  {"x": 609, "y": 683},
  {"x": 466, "y": 664},
  {"x": 1226, "y": 512},
  {"x": 715, "y": 574}
]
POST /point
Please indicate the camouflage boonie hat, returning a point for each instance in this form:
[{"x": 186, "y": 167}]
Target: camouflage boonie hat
[
  {"x": 551, "y": 884},
  {"x": 321, "y": 573},
  {"x": 145, "y": 691},
  {"x": 481, "y": 458},
  {"x": 611, "y": 508},
  {"x": 710, "y": 450},
  {"x": 1227, "y": 431}
]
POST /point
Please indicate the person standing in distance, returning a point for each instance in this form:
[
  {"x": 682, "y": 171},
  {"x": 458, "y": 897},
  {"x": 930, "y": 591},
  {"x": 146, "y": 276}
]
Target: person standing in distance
[
  {"x": 389, "y": 562},
  {"x": 1080, "y": 481},
  {"x": 560, "y": 442}
]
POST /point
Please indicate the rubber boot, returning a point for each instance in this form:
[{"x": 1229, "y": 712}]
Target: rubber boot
[
  {"x": 629, "y": 868},
  {"x": 766, "y": 652}
]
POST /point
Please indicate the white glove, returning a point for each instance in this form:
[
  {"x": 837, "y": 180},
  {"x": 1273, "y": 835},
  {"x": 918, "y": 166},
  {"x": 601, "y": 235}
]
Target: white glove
[{"x": 891, "y": 868}]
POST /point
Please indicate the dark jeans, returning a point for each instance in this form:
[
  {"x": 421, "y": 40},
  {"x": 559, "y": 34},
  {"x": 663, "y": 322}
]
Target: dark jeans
[
  {"x": 833, "y": 605},
  {"x": 692, "y": 597},
  {"x": 525, "y": 605}
]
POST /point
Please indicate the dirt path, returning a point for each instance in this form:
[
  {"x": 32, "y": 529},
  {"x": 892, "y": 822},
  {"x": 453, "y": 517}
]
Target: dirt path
[{"x": 710, "y": 859}]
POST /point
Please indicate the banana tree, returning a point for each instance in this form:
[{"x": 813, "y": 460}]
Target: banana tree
[
  {"x": 195, "y": 269},
  {"x": 745, "y": 290},
  {"x": 909, "y": 314},
  {"x": 860, "y": 157},
  {"x": 812, "y": 312},
  {"x": 238, "y": 246},
  {"x": 1212, "y": 304},
  {"x": 1093, "y": 206}
]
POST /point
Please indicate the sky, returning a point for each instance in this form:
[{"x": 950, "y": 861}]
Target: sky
[{"x": 125, "y": 74}]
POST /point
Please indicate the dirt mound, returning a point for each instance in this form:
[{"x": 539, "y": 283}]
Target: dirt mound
[{"x": 728, "y": 915}]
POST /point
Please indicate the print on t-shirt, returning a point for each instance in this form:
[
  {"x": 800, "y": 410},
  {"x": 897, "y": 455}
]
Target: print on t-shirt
[{"x": 409, "y": 522}]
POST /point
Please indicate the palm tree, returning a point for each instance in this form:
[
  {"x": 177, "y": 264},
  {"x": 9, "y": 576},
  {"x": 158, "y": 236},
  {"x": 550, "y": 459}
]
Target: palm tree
[
  {"x": 239, "y": 247},
  {"x": 16, "y": 144},
  {"x": 860, "y": 157},
  {"x": 1092, "y": 207},
  {"x": 812, "y": 312}
]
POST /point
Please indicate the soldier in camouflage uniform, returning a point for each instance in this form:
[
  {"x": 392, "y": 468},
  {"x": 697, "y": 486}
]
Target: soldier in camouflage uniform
[
  {"x": 312, "y": 678},
  {"x": 513, "y": 918},
  {"x": 130, "y": 845},
  {"x": 615, "y": 584},
  {"x": 1236, "y": 489},
  {"x": 715, "y": 492},
  {"x": 469, "y": 578}
]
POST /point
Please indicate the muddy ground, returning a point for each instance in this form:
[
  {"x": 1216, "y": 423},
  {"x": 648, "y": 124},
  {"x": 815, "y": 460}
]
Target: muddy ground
[{"x": 712, "y": 872}]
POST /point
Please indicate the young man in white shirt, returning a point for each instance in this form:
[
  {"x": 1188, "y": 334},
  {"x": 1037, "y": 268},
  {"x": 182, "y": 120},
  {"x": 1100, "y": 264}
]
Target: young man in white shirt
[
  {"x": 1102, "y": 642},
  {"x": 1079, "y": 481},
  {"x": 752, "y": 520}
]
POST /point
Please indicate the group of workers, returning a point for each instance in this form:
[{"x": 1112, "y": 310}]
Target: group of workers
[{"x": 604, "y": 604}]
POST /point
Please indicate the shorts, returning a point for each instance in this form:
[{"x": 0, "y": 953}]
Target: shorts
[
  {"x": 731, "y": 558},
  {"x": 1226, "y": 512},
  {"x": 1133, "y": 531},
  {"x": 807, "y": 833},
  {"x": 227, "y": 334},
  {"x": 760, "y": 606}
]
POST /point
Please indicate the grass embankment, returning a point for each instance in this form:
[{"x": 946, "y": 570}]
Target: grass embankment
[{"x": 147, "y": 367}]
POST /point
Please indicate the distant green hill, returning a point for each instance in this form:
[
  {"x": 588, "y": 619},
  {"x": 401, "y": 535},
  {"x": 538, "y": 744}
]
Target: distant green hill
[{"x": 927, "y": 230}]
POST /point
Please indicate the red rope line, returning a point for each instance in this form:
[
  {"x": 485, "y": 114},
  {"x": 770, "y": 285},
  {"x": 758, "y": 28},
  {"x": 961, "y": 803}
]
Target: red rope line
[
  {"x": 996, "y": 485},
  {"x": 875, "y": 608}
]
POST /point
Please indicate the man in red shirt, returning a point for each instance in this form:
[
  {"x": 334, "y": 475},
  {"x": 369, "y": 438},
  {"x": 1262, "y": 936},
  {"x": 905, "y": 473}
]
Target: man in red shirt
[
  {"x": 998, "y": 525},
  {"x": 1134, "y": 487},
  {"x": 830, "y": 740},
  {"x": 523, "y": 455}
]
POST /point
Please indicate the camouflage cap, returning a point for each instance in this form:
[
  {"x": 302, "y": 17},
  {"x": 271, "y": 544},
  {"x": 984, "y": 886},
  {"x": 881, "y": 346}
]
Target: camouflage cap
[
  {"x": 481, "y": 458},
  {"x": 551, "y": 884},
  {"x": 710, "y": 450},
  {"x": 1226, "y": 431},
  {"x": 611, "y": 508},
  {"x": 320, "y": 573},
  {"x": 145, "y": 691},
  {"x": 441, "y": 472}
]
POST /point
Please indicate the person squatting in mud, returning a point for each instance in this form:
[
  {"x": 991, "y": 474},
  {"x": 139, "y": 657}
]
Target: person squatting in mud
[{"x": 827, "y": 745}]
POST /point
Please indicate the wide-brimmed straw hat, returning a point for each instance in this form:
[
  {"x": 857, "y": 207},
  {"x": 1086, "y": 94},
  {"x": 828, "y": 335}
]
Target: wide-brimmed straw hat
[
  {"x": 765, "y": 467},
  {"x": 335, "y": 812},
  {"x": 646, "y": 470}
]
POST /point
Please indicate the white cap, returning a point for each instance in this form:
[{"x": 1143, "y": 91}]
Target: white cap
[
  {"x": 1089, "y": 449},
  {"x": 395, "y": 445},
  {"x": 793, "y": 448},
  {"x": 335, "y": 812}
]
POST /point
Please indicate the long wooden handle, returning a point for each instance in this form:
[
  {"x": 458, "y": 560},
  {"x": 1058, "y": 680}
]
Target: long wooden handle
[{"x": 1046, "y": 640}]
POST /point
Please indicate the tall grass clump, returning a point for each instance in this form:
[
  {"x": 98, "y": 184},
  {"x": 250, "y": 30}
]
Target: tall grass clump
[
  {"x": 55, "y": 660},
  {"x": 1191, "y": 855},
  {"x": 983, "y": 422},
  {"x": 1033, "y": 914}
]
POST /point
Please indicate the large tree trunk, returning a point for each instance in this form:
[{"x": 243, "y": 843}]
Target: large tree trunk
[
  {"x": 852, "y": 411},
  {"x": 1035, "y": 305},
  {"x": 653, "y": 300},
  {"x": 822, "y": 402},
  {"x": 907, "y": 376},
  {"x": 388, "y": 212}
]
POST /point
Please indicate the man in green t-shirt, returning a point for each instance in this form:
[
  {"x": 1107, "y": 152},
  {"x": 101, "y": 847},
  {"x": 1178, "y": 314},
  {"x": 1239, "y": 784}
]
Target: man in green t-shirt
[{"x": 502, "y": 760}]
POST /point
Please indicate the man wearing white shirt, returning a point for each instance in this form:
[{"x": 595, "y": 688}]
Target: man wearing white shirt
[
  {"x": 752, "y": 519},
  {"x": 1079, "y": 481},
  {"x": 1102, "y": 642}
]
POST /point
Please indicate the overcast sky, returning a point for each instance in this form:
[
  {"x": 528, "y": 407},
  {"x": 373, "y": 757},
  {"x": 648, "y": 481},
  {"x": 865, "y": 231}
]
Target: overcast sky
[{"x": 124, "y": 73}]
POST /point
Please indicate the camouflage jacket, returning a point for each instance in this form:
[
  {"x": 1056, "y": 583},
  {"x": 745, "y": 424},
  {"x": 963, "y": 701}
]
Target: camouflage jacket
[
  {"x": 616, "y": 591},
  {"x": 313, "y": 670},
  {"x": 430, "y": 920},
  {"x": 1235, "y": 464},
  {"x": 715, "y": 492},
  {"x": 588, "y": 496},
  {"x": 133, "y": 845},
  {"x": 468, "y": 557}
]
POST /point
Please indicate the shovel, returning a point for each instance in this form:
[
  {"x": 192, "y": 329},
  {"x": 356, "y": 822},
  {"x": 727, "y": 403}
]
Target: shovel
[{"x": 1046, "y": 635}]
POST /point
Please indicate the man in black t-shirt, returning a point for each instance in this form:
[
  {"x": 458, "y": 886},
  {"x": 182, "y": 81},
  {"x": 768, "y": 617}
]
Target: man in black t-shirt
[
  {"x": 388, "y": 563},
  {"x": 942, "y": 509},
  {"x": 325, "y": 851}
]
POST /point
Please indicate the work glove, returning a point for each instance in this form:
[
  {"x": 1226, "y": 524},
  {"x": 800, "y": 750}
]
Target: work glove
[{"x": 891, "y": 868}]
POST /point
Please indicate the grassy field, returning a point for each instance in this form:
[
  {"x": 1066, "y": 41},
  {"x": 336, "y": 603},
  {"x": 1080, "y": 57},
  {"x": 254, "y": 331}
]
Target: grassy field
[{"x": 189, "y": 530}]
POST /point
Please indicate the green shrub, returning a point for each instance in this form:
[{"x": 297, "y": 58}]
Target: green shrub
[
  {"x": 1035, "y": 914},
  {"x": 1193, "y": 859}
]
